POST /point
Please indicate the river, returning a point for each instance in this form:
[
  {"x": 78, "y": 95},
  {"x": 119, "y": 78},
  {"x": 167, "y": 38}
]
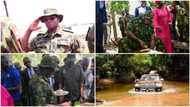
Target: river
[{"x": 173, "y": 94}]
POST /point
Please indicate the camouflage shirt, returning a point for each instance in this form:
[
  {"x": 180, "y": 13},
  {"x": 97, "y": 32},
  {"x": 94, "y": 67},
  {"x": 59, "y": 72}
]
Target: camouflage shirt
[
  {"x": 138, "y": 27},
  {"x": 57, "y": 42},
  {"x": 41, "y": 93}
]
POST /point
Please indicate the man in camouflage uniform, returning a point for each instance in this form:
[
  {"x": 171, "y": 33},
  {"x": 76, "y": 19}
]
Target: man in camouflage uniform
[
  {"x": 42, "y": 93},
  {"x": 55, "y": 40},
  {"x": 139, "y": 34}
]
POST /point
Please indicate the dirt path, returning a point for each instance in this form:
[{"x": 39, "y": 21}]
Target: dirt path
[{"x": 179, "y": 97}]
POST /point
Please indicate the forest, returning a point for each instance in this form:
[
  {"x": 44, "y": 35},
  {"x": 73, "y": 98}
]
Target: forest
[{"x": 125, "y": 68}]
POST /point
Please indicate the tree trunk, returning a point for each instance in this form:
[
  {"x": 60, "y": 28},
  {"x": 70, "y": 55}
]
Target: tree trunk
[{"x": 114, "y": 25}]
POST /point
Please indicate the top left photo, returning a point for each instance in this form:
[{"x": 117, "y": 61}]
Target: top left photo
[{"x": 47, "y": 26}]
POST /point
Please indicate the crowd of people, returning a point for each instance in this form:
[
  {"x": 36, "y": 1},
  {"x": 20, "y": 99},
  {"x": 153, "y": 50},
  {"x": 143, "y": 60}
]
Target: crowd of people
[
  {"x": 157, "y": 25},
  {"x": 36, "y": 86}
]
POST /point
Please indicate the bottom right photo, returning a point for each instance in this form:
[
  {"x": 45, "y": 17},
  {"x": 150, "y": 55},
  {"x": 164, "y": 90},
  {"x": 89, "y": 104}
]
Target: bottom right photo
[{"x": 142, "y": 79}]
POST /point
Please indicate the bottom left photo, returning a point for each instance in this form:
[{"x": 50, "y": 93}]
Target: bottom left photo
[{"x": 47, "y": 79}]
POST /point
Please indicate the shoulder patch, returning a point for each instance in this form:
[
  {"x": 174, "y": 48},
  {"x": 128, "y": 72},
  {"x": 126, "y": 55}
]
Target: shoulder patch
[{"x": 40, "y": 34}]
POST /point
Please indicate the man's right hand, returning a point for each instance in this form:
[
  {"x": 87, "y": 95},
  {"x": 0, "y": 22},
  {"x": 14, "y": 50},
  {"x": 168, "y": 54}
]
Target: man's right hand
[{"x": 34, "y": 25}]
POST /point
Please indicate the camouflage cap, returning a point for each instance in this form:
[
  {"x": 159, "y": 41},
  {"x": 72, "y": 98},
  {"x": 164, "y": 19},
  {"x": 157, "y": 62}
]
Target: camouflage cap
[
  {"x": 48, "y": 62},
  {"x": 51, "y": 12}
]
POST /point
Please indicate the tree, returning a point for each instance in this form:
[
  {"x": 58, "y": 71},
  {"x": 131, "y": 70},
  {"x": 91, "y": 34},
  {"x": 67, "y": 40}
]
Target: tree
[{"x": 116, "y": 7}]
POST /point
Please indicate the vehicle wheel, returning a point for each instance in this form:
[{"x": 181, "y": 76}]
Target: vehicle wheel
[
  {"x": 137, "y": 89},
  {"x": 158, "y": 89}
]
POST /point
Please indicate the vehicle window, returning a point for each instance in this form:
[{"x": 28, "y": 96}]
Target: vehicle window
[{"x": 149, "y": 78}]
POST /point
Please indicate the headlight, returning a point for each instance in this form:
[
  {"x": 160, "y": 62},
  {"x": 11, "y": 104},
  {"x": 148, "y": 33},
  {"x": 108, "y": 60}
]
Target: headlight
[
  {"x": 159, "y": 84},
  {"x": 136, "y": 85}
]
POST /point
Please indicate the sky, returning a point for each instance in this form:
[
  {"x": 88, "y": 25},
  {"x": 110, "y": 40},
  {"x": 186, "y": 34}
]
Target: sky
[
  {"x": 133, "y": 4},
  {"x": 23, "y": 12}
]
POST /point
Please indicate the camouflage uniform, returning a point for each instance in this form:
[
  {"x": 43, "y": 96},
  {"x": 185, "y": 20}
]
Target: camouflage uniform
[
  {"x": 137, "y": 26},
  {"x": 42, "y": 93},
  {"x": 58, "y": 42}
]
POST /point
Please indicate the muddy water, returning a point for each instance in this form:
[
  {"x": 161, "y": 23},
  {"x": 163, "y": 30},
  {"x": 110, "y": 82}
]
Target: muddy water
[{"x": 174, "y": 93}]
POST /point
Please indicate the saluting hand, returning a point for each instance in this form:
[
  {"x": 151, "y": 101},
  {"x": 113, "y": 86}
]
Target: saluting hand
[{"x": 34, "y": 25}]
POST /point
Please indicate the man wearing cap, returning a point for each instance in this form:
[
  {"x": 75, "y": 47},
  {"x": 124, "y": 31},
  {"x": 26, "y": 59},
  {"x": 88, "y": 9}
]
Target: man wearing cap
[
  {"x": 139, "y": 36},
  {"x": 42, "y": 93},
  {"x": 54, "y": 40}
]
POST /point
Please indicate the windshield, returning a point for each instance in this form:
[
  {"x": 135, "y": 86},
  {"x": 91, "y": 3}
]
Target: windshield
[{"x": 149, "y": 77}]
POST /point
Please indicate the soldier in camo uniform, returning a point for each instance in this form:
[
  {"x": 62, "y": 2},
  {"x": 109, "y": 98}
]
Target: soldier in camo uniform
[
  {"x": 55, "y": 40},
  {"x": 140, "y": 35},
  {"x": 42, "y": 93}
]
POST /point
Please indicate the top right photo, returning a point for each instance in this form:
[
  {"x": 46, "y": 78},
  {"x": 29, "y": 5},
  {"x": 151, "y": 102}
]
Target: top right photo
[{"x": 138, "y": 26}]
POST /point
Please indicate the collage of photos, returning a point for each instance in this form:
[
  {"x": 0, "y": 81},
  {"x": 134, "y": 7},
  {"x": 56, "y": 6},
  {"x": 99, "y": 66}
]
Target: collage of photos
[{"x": 94, "y": 53}]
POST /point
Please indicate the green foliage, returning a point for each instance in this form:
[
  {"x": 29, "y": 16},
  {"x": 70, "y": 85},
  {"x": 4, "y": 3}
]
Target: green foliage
[
  {"x": 118, "y": 6},
  {"x": 141, "y": 63},
  {"x": 140, "y": 59},
  {"x": 36, "y": 58},
  {"x": 152, "y": 4},
  {"x": 107, "y": 66},
  {"x": 182, "y": 18},
  {"x": 104, "y": 64},
  {"x": 126, "y": 67},
  {"x": 159, "y": 45}
]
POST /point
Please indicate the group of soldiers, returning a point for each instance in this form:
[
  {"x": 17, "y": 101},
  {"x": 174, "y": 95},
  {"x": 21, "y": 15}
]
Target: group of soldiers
[{"x": 35, "y": 86}]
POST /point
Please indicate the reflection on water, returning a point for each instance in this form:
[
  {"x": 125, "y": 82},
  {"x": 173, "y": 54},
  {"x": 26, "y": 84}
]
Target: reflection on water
[
  {"x": 119, "y": 94},
  {"x": 114, "y": 92}
]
